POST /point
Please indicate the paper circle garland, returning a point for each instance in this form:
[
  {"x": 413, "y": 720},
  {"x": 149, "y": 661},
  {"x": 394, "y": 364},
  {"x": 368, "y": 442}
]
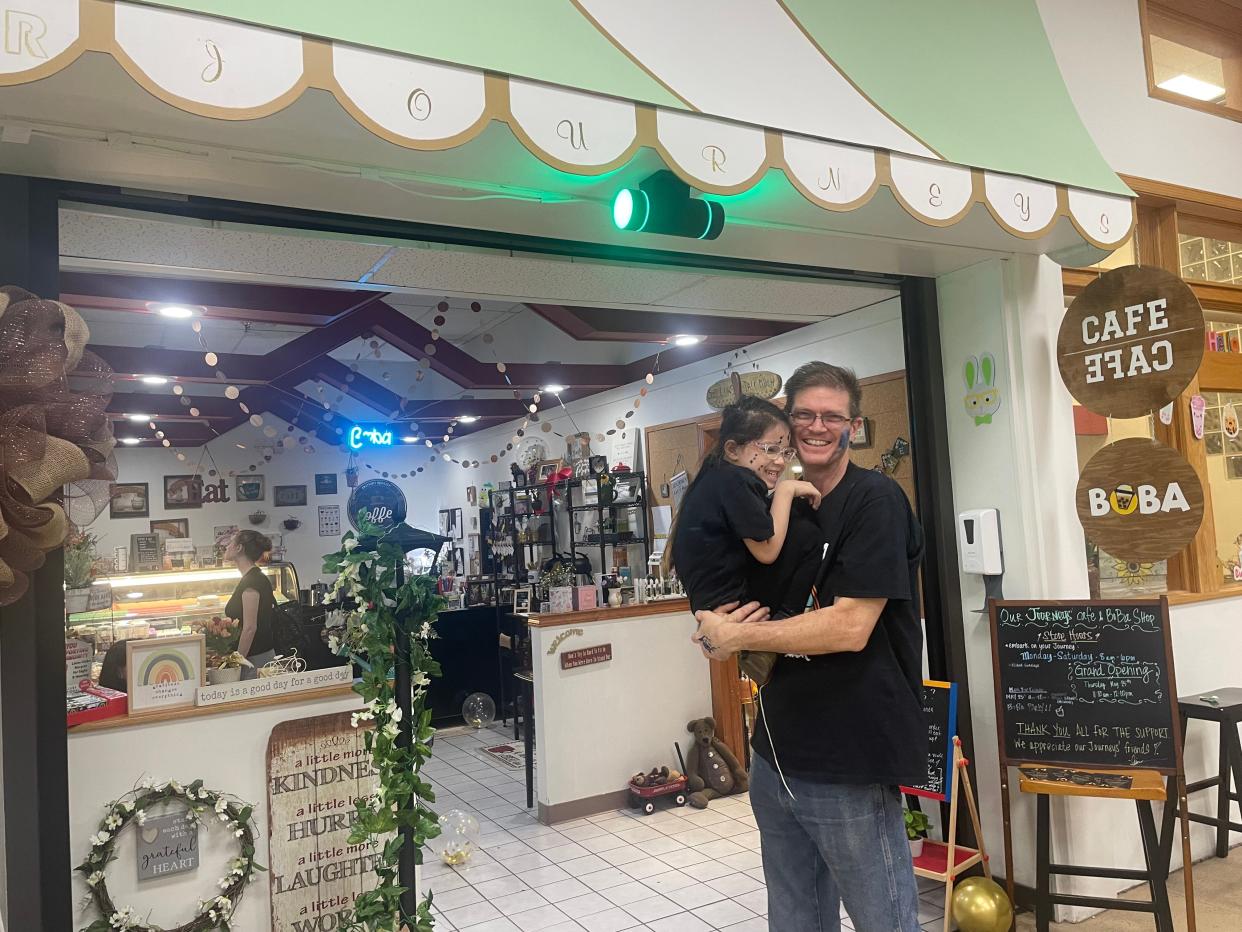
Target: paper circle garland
[{"x": 215, "y": 911}]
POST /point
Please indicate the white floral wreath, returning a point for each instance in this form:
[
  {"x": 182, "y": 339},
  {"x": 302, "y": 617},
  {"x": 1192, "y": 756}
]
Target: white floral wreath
[{"x": 213, "y": 913}]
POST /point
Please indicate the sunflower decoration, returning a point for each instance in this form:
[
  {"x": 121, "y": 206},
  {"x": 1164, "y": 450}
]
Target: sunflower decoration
[{"x": 1133, "y": 573}]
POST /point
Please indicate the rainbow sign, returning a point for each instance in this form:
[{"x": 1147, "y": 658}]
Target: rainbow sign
[{"x": 165, "y": 666}]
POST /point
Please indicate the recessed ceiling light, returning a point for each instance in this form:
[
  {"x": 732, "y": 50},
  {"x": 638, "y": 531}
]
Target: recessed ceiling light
[
  {"x": 133, "y": 595},
  {"x": 685, "y": 339},
  {"x": 130, "y": 441},
  {"x": 154, "y": 380},
  {"x": 139, "y": 418},
  {"x": 409, "y": 440},
  {"x": 1187, "y": 86},
  {"x": 175, "y": 311},
  {"x": 468, "y": 418},
  {"x": 554, "y": 389}
]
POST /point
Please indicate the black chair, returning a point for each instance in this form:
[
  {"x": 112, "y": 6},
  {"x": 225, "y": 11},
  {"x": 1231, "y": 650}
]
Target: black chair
[{"x": 1223, "y": 706}]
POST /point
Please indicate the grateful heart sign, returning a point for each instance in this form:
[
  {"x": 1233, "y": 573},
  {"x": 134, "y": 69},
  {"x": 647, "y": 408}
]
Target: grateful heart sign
[{"x": 1131, "y": 342}]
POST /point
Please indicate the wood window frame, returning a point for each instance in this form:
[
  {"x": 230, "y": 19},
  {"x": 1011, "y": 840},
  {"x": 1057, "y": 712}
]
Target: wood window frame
[
  {"x": 1193, "y": 575},
  {"x": 1214, "y": 23}
]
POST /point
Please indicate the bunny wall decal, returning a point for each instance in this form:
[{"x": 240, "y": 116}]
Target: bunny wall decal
[{"x": 982, "y": 396}]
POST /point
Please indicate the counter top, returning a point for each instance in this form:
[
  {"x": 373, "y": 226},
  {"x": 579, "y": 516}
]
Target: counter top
[
  {"x": 149, "y": 718},
  {"x": 665, "y": 607}
]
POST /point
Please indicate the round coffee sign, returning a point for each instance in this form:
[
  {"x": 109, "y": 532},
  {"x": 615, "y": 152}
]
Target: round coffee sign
[
  {"x": 1139, "y": 500},
  {"x": 1131, "y": 342},
  {"x": 383, "y": 502}
]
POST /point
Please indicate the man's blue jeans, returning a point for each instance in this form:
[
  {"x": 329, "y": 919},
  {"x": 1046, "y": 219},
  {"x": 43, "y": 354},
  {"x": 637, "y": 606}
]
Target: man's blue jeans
[{"x": 833, "y": 842}]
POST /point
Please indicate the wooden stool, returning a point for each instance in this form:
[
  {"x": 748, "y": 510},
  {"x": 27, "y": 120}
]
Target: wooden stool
[
  {"x": 1227, "y": 712},
  {"x": 1146, "y": 785}
]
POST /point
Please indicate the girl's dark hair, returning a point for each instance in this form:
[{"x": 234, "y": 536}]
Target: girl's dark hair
[
  {"x": 253, "y": 544},
  {"x": 741, "y": 422},
  {"x": 112, "y": 671},
  {"x": 747, "y": 419}
]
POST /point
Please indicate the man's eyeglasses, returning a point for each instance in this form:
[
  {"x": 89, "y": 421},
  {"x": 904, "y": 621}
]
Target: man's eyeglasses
[
  {"x": 775, "y": 450},
  {"x": 807, "y": 418}
]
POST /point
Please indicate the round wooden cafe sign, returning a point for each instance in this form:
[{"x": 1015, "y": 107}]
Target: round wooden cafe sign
[
  {"x": 382, "y": 500},
  {"x": 1139, "y": 500},
  {"x": 1131, "y": 341}
]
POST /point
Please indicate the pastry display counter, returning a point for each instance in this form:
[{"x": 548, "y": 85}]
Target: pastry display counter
[{"x": 167, "y": 602}]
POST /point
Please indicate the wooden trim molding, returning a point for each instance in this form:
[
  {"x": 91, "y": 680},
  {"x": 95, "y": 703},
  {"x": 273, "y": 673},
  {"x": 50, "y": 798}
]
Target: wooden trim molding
[{"x": 624, "y": 613}]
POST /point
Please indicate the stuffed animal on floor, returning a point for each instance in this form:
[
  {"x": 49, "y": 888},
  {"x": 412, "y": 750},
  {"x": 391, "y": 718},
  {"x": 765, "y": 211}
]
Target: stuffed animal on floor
[{"x": 711, "y": 769}]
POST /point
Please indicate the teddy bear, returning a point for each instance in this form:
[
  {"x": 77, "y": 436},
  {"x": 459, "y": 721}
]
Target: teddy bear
[{"x": 711, "y": 769}]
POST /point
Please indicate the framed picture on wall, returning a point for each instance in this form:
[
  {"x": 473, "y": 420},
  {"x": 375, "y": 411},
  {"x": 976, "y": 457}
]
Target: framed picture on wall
[
  {"x": 546, "y": 468},
  {"x": 164, "y": 673},
  {"x": 183, "y": 491},
  {"x": 176, "y": 528},
  {"x": 472, "y": 495},
  {"x": 129, "y": 500},
  {"x": 521, "y": 601},
  {"x": 251, "y": 488},
  {"x": 325, "y": 483},
  {"x": 288, "y": 496},
  {"x": 863, "y": 436}
]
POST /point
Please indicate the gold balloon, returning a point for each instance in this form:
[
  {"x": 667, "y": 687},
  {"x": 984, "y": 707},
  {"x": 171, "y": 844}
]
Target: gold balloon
[{"x": 980, "y": 905}]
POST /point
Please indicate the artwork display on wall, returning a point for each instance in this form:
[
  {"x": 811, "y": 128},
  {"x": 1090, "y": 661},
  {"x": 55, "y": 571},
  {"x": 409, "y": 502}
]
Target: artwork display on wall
[
  {"x": 329, "y": 520},
  {"x": 129, "y": 500},
  {"x": 472, "y": 495},
  {"x": 862, "y": 437},
  {"x": 164, "y": 673},
  {"x": 547, "y": 468},
  {"x": 288, "y": 496},
  {"x": 183, "y": 492},
  {"x": 177, "y": 528},
  {"x": 325, "y": 483},
  {"x": 251, "y": 488}
]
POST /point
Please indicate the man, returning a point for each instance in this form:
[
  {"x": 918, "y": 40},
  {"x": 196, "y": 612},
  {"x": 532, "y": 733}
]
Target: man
[{"x": 840, "y": 724}]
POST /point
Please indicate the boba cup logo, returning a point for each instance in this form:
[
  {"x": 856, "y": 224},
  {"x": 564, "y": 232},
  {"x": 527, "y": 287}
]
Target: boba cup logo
[{"x": 1126, "y": 499}]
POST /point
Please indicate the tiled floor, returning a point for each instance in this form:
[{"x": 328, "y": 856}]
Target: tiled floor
[{"x": 677, "y": 870}]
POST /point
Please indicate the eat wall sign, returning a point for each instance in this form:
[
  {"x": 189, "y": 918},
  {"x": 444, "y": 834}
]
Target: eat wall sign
[{"x": 1131, "y": 341}]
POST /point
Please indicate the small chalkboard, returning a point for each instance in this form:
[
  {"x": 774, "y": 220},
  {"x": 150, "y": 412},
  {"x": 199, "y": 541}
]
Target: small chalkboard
[
  {"x": 144, "y": 552},
  {"x": 1086, "y": 684},
  {"x": 940, "y": 713}
]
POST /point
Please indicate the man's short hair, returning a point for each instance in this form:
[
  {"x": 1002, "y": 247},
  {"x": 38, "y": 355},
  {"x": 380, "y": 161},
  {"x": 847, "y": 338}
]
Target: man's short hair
[{"x": 824, "y": 375}]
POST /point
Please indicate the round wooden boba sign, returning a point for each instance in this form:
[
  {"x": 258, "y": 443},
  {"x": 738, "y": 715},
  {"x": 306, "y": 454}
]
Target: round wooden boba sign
[
  {"x": 1131, "y": 341},
  {"x": 1139, "y": 500}
]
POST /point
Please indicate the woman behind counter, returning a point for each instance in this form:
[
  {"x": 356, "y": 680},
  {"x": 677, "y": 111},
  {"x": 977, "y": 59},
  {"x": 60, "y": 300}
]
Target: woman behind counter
[{"x": 253, "y": 601}]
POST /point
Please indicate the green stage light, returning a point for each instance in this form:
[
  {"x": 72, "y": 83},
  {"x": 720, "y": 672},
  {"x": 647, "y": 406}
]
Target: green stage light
[{"x": 662, "y": 204}]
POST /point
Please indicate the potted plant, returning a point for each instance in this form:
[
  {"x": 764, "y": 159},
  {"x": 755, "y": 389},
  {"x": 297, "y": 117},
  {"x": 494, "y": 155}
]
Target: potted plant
[
  {"x": 80, "y": 559},
  {"x": 228, "y": 669},
  {"x": 917, "y": 825},
  {"x": 222, "y": 636}
]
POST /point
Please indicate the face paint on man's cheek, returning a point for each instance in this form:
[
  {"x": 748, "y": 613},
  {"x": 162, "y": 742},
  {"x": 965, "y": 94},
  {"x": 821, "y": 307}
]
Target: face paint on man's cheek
[{"x": 844, "y": 440}]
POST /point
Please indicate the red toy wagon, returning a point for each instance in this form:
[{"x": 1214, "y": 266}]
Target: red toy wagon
[{"x": 644, "y": 797}]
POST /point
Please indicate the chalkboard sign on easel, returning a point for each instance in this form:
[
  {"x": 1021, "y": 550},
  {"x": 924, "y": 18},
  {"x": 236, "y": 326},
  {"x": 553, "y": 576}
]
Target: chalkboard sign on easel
[
  {"x": 1086, "y": 684},
  {"x": 940, "y": 713}
]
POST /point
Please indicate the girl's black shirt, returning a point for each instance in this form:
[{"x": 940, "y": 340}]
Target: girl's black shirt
[{"x": 725, "y": 506}]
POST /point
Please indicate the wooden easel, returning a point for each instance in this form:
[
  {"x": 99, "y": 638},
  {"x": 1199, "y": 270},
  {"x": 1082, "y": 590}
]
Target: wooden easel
[{"x": 946, "y": 860}]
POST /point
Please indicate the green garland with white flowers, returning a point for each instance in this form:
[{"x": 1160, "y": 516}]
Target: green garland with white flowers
[
  {"x": 368, "y": 579},
  {"x": 213, "y": 913}
]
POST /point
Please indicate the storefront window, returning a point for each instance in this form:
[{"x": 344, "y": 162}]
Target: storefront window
[
  {"x": 1111, "y": 577},
  {"x": 1192, "y": 55},
  {"x": 1224, "y": 466},
  {"x": 1211, "y": 259}
]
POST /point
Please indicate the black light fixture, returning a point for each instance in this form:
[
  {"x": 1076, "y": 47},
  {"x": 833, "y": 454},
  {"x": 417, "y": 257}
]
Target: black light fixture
[{"x": 662, "y": 204}]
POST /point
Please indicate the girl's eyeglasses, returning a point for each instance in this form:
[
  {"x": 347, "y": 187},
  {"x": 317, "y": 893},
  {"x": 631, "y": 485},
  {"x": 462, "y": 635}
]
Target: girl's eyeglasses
[{"x": 775, "y": 449}]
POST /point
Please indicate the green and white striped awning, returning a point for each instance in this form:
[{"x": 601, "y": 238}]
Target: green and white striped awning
[{"x": 947, "y": 105}]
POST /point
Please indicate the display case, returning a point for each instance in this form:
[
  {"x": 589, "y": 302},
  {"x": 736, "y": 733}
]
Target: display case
[{"x": 167, "y": 601}]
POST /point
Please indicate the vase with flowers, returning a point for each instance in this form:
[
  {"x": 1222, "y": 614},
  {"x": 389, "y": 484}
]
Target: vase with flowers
[
  {"x": 222, "y": 636},
  {"x": 80, "y": 557}
]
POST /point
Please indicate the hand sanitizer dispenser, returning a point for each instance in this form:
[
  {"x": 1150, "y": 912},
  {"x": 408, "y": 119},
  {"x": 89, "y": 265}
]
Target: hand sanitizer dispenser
[{"x": 979, "y": 542}]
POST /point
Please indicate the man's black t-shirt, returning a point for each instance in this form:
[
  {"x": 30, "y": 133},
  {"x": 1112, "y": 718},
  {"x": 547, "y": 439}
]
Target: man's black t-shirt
[
  {"x": 726, "y": 505},
  {"x": 857, "y": 717}
]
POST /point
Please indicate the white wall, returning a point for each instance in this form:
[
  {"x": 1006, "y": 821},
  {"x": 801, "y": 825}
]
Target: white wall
[
  {"x": 228, "y": 751},
  {"x": 599, "y": 724},
  {"x": 1099, "y": 48}
]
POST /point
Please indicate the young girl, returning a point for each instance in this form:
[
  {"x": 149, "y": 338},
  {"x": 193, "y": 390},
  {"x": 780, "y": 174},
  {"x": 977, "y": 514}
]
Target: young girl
[{"x": 726, "y": 525}]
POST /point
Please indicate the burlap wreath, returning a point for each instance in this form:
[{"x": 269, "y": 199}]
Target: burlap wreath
[{"x": 54, "y": 429}]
